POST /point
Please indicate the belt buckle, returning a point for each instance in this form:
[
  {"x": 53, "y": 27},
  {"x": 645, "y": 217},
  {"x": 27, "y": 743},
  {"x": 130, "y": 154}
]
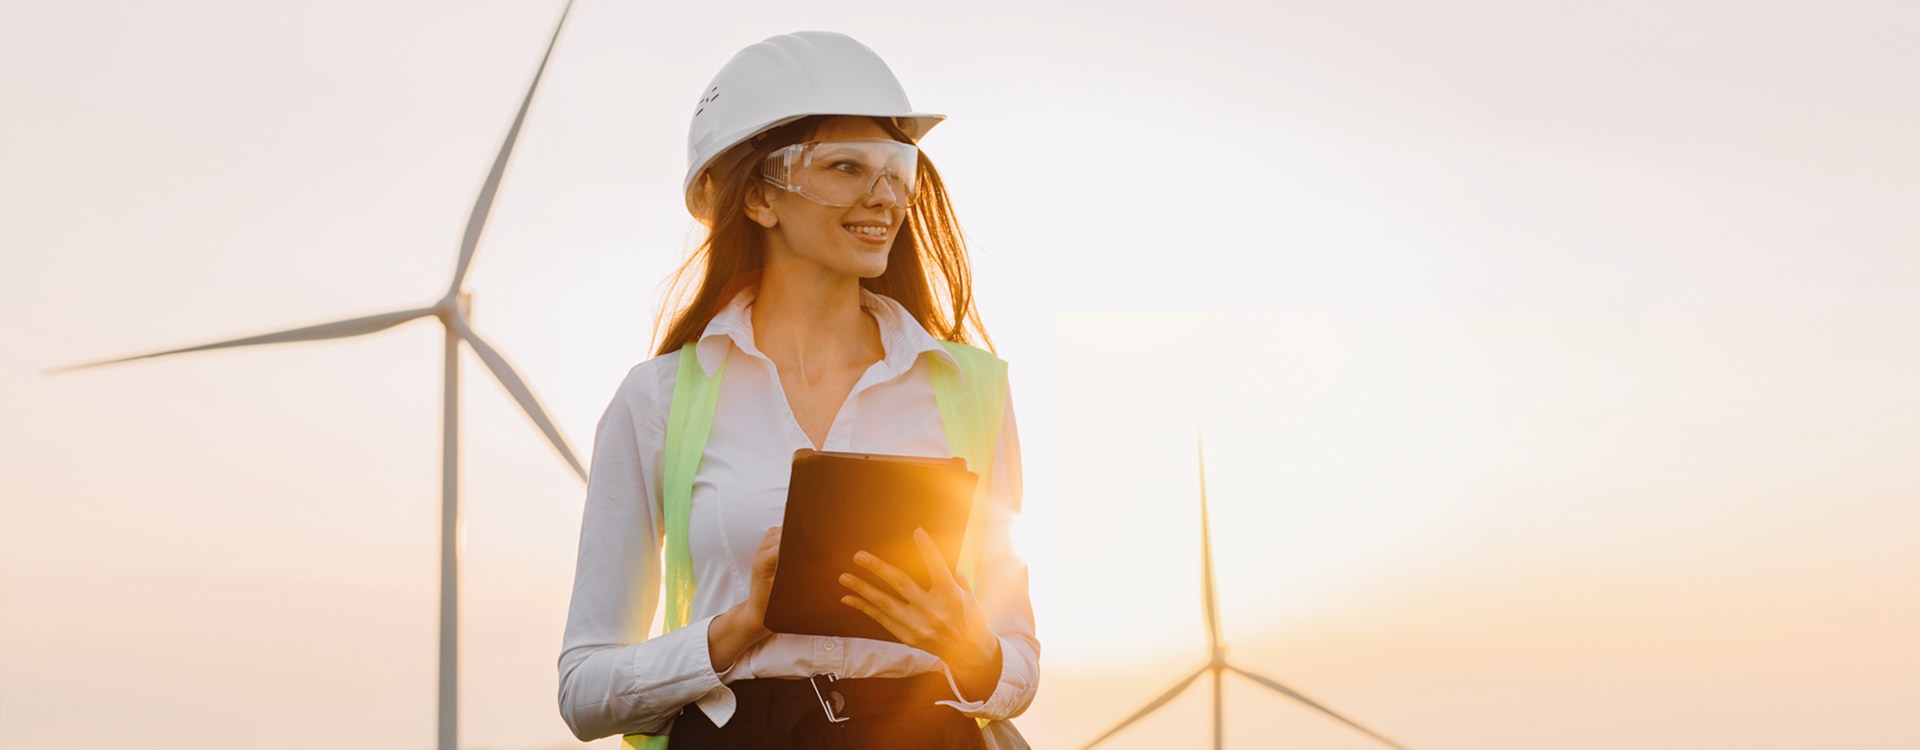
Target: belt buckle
[{"x": 839, "y": 701}]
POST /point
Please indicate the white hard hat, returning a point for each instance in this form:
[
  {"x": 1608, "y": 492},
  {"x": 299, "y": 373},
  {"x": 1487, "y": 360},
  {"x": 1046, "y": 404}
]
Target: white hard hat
[{"x": 783, "y": 79}]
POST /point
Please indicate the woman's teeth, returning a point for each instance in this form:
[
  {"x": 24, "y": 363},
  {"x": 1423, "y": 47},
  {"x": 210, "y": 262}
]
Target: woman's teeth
[{"x": 868, "y": 231}]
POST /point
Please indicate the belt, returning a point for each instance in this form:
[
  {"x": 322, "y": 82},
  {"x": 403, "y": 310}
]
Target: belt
[
  {"x": 843, "y": 700},
  {"x": 849, "y": 699},
  {"x": 825, "y": 712}
]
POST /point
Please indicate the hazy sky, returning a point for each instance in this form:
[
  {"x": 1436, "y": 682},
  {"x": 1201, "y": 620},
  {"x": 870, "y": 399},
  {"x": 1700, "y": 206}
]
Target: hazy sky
[{"x": 1555, "y": 364}]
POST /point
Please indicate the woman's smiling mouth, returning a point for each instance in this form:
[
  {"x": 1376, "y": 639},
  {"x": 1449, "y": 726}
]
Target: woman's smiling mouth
[{"x": 873, "y": 233}]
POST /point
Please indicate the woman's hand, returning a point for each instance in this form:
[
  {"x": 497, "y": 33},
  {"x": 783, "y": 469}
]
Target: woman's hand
[
  {"x": 944, "y": 619},
  {"x": 744, "y": 624}
]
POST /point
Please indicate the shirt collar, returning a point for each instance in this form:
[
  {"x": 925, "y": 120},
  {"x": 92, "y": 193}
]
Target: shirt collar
[{"x": 902, "y": 339}]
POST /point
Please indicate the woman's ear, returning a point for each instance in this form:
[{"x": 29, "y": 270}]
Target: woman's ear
[{"x": 757, "y": 208}]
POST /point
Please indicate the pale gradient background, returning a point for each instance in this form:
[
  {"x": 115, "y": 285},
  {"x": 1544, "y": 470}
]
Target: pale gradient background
[{"x": 1557, "y": 364}]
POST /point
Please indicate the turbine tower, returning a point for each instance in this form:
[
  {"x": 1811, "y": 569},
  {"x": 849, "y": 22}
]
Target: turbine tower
[
  {"x": 452, "y": 311},
  {"x": 1217, "y": 662}
]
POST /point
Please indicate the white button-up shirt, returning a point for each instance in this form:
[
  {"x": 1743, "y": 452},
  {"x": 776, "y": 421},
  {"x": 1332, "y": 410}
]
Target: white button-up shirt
[{"x": 613, "y": 679}]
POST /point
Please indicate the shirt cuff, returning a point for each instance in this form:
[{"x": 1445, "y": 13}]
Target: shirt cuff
[
  {"x": 995, "y": 705},
  {"x": 717, "y": 700}
]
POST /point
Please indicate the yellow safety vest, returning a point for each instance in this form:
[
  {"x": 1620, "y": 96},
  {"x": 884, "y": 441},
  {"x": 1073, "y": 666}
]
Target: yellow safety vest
[{"x": 972, "y": 400}]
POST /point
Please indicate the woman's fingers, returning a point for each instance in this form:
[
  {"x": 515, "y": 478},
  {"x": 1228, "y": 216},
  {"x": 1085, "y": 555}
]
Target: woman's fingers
[
  {"x": 902, "y": 584},
  {"x": 939, "y": 620},
  {"x": 769, "y": 549},
  {"x": 766, "y": 558},
  {"x": 872, "y": 593},
  {"x": 905, "y": 621},
  {"x": 894, "y": 626},
  {"x": 937, "y": 573}
]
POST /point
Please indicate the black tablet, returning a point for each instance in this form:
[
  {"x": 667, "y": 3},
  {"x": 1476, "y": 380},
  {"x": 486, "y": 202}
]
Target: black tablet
[{"x": 842, "y": 503}]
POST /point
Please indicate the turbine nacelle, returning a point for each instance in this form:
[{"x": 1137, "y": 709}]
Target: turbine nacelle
[{"x": 454, "y": 305}]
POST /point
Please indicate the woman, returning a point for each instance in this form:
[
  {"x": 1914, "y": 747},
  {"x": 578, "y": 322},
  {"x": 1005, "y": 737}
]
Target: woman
[{"x": 832, "y": 274}]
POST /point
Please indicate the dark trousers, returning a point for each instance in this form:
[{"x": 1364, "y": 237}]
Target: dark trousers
[{"x": 884, "y": 714}]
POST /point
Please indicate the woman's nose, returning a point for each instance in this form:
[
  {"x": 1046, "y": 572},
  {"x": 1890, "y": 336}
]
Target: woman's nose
[{"x": 880, "y": 184}]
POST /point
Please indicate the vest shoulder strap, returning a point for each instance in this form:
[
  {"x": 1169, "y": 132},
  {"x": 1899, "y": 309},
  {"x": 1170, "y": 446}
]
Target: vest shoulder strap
[
  {"x": 689, "y": 424},
  {"x": 972, "y": 399}
]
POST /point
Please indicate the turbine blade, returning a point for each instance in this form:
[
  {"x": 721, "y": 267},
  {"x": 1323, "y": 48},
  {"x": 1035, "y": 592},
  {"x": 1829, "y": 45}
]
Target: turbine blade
[
  {"x": 1206, "y": 555},
  {"x": 1294, "y": 694},
  {"x": 335, "y": 330},
  {"x": 511, "y": 380},
  {"x": 483, "y": 205},
  {"x": 1149, "y": 708}
]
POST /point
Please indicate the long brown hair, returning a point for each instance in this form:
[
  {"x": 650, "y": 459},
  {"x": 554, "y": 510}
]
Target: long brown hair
[{"x": 927, "y": 271}]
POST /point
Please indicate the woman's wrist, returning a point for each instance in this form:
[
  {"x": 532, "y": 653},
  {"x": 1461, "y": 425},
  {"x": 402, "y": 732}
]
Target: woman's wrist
[
  {"x": 977, "y": 676},
  {"x": 732, "y": 633}
]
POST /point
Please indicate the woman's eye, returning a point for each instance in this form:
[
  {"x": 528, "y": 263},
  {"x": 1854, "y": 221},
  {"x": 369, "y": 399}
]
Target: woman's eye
[{"x": 849, "y": 167}]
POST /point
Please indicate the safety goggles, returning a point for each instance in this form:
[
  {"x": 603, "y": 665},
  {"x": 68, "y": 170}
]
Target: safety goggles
[{"x": 846, "y": 173}]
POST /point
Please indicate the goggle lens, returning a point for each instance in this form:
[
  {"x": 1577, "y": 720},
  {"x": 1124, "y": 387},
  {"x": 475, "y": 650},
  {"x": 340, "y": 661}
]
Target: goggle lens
[{"x": 846, "y": 173}]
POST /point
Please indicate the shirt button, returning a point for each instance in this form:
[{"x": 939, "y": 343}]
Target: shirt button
[{"x": 829, "y": 645}]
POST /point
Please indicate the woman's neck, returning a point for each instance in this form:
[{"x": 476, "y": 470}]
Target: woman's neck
[{"x": 810, "y": 323}]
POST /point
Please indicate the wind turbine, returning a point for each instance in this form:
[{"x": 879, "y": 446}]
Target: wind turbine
[
  {"x": 1217, "y": 662},
  {"x": 452, "y": 311}
]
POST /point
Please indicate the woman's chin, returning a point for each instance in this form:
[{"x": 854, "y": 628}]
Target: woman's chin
[{"x": 870, "y": 263}]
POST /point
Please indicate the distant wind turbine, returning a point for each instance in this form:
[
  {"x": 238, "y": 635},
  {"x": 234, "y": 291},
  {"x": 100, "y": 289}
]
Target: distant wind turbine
[
  {"x": 1217, "y": 663},
  {"x": 452, "y": 310}
]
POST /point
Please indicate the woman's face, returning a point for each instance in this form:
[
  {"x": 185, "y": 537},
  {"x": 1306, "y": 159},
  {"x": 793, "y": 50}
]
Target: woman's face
[{"x": 850, "y": 241}]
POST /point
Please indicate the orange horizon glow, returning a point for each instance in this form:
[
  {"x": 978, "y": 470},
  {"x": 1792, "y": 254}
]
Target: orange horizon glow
[{"x": 1554, "y": 364}]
